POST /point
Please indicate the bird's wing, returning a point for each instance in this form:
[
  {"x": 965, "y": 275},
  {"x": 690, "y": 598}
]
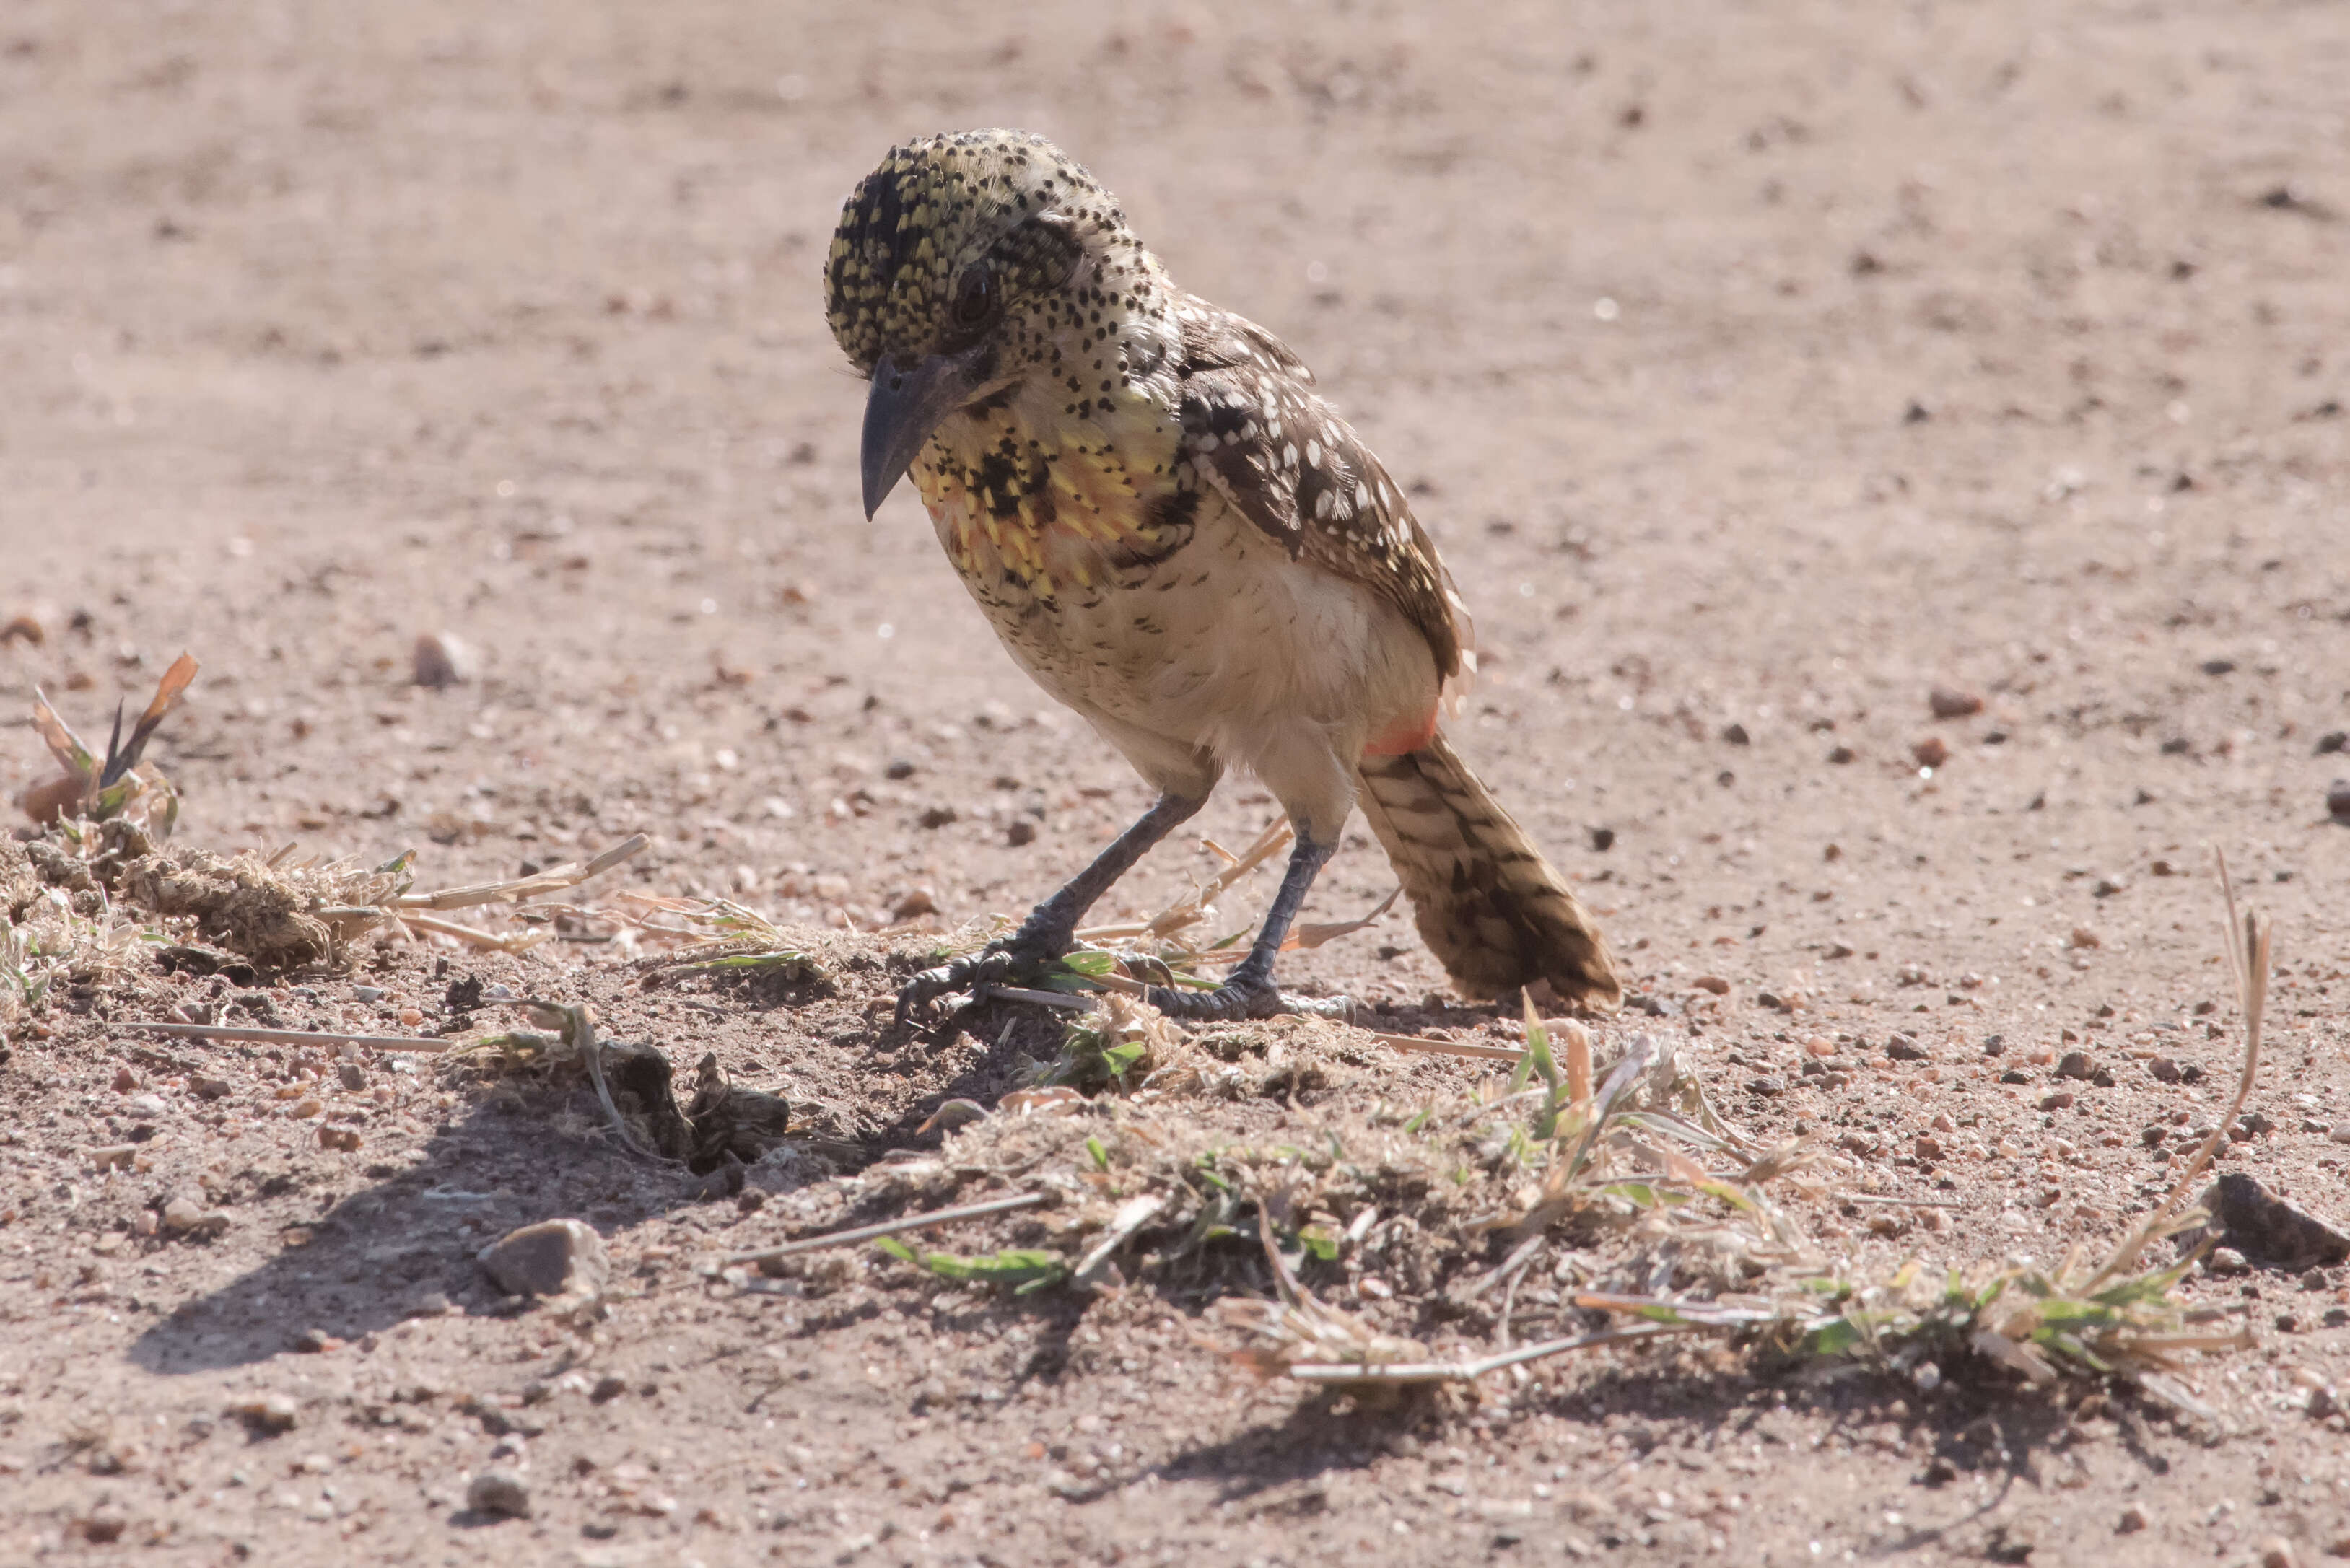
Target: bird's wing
[{"x": 1256, "y": 432}]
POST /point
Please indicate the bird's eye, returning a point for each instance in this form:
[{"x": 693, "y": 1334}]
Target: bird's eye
[{"x": 974, "y": 297}]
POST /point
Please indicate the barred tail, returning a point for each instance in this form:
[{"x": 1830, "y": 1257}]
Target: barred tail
[{"x": 1490, "y": 908}]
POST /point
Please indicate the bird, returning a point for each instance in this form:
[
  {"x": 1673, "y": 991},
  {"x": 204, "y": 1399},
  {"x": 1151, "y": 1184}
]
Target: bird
[{"x": 1175, "y": 535}]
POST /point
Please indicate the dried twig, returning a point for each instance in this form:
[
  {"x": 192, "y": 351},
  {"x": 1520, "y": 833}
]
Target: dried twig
[
  {"x": 896, "y": 1227},
  {"x": 521, "y": 888},
  {"x": 515, "y": 942},
  {"x": 1132, "y": 1215},
  {"x": 1466, "y": 1371},
  {"x": 326, "y": 1038},
  {"x": 1450, "y": 1048},
  {"x": 2248, "y": 939}
]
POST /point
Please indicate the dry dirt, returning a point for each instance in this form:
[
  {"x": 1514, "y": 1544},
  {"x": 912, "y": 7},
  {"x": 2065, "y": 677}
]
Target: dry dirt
[{"x": 1758, "y": 369}]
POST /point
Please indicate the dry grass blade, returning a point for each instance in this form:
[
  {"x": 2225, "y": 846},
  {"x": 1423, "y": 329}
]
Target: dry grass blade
[
  {"x": 1197, "y": 905},
  {"x": 1132, "y": 1215},
  {"x": 2248, "y": 938},
  {"x": 516, "y": 890},
  {"x": 326, "y": 1038},
  {"x": 896, "y": 1227},
  {"x": 577, "y": 1025}
]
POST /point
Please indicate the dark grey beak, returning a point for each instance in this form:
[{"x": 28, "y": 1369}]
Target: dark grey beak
[{"x": 904, "y": 406}]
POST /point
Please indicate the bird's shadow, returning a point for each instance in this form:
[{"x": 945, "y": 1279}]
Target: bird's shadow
[{"x": 371, "y": 1259}]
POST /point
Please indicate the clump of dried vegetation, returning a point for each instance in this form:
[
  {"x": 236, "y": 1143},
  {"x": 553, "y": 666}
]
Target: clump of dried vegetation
[
  {"x": 1573, "y": 1204},
  {"x": 102, "y": 875}
]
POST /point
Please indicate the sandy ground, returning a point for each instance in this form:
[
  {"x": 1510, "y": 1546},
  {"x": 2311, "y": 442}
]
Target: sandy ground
[{"x": 1758, "y": 369}]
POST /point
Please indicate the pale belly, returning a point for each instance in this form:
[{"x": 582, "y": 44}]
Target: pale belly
[{"x": 1225, "y": 652}]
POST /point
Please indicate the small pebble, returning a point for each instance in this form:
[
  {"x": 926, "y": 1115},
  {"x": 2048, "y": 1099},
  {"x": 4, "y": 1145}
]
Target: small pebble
[
  {"x": 500, "y": 1493},
  {"x": 548, "y": 1259},
  {"x": 431, "y": 1304},
  {"x": 270, "y": 1413},
  {"x": 1712, "y": 982},
  {"x": 1931, "y": 752},
  {"x": 2276, "y": 1551},
  {"x": 208, "y": 1088},
  {"x": 146, "y": 1108},
  {"x": 2338, "y": 800},
  {"x": 352, "y": 1075},
  {"x": 2074, "y": 1064},
  {"x": 307, "y": 1106},
  {"x": 346, "y": 1139},
  {"x": 2133, "y": 1520},
  {"x": 2225, "y": 1261},
  {"x": 1950, "y": 702},
  {"x": 2164, "y": 1068},
  {"x": 442, "y": 659}
]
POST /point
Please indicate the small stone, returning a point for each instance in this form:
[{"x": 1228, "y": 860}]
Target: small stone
[
  {"x": 2338, "y": 800},
  {"x": 1019, "y": 831},
  {"x": 2276, "y": 1551},
  {"x": 2164, "y": 1068},
  {"x": 1931, "y": 752},
  {"x": 114, "y": 1156},
  {"x": 2323, "y": 1402},
  {"x": 2061, "y": 1101},
  {"x": 2225, "y": 1261},
  {"x": 1902, "y": 1048},
  {"x": 103, "y": 1525},
  {"x": 2133, "y": 1520},
  {"x": 309, "y": 1105},
  {"x": 351, "y": 1074},
  {"x": 2083, "y": 937},
  {"x": 548, "y": 1259},
  {"x": 500, "y": 1493},
  {"x": 431, "y": 1304},
  {"x": 2333, "y": 741},
  {"x": 2016, "y": 1075},
  {"x": 608, "y": 1388},
  {"x": 1712, "y": 982},
  {"x": 1767, "y": 1086},
  {"x": 208, "y": 1088},
  {"x": 920, "y": 901},
  {"x": 442, "y": 659},
  {"x": 125, "y": 1080},
  {"x": 315, "y": 1342},
  {"x": 1840, "y": 755},
  {"x": 146, "y": 1108},
  {"x": 1736, "y": 735},
  {"x": 939, "y": 817},
  {"x": 345, "y": 1139},
  {"x": 2074, "y": 1064},
  {"x": 270, "y": 1413},
  {"x": 1950, "y": 702},
  {"x": 1929, "y": 1148},
  {"x": 182, "y": 1211}
]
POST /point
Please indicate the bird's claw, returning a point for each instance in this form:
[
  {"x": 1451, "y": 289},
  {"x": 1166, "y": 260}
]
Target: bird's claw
[
  {"x": 1003, "y": 963},
  {"x": 1242, "y": 998}
]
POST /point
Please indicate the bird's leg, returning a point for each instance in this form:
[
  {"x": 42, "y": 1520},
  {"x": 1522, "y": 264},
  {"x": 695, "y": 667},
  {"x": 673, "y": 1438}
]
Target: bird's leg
[
  {"x": 1051, "y": 927},
  {"x": 1248, "y": 991}
]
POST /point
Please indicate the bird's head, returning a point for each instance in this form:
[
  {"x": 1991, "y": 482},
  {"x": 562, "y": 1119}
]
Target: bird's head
[{"x": 963, "y": 265}]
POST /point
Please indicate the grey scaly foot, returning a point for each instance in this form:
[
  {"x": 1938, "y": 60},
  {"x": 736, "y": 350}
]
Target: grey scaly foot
[
  {"x": 1244, "y": 997},
  {"x": 1020, "y": 959}
]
